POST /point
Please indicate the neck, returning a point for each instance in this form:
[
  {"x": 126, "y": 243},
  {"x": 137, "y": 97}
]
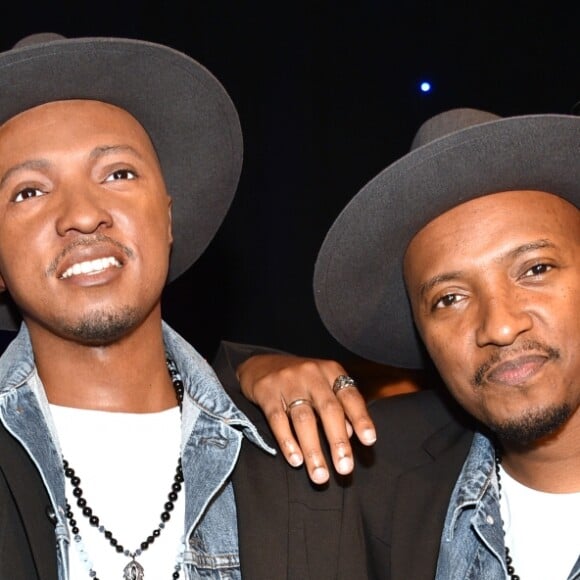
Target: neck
[
  {"x": 552, "y": 464},
  {"x": 129, "y": 375}
]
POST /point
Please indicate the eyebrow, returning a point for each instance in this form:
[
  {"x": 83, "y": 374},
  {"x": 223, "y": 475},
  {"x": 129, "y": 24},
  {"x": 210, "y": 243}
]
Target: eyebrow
[
  {"x": 529, "y": 247},
  {"x": 43, "y": 164},
  {"x": 105, "y": 150},
  {"x": 440, "y": 278},
  {"x": 511, "y": 254},
  {"x": 29, "y": 164}
]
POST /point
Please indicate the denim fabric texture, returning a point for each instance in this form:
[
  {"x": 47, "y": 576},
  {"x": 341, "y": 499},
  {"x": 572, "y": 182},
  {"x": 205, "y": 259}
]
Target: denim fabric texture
[
  {"x": 212, "y": 433},
  {"x": 472, "y": 544}
]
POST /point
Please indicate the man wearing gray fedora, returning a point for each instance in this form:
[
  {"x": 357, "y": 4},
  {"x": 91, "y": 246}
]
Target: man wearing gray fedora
[
  {"x": 465, "y": 254},
  {"x": 121, "y": 455}
]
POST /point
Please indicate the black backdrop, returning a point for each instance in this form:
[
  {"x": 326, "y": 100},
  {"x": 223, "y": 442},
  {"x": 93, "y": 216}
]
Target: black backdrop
[{"x": 327, "y": 94}]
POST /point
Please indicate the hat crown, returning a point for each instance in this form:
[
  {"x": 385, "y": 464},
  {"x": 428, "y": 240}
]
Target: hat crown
[
  {"x": 38, "y": 38},
  {"x": 449, "y": 122}
]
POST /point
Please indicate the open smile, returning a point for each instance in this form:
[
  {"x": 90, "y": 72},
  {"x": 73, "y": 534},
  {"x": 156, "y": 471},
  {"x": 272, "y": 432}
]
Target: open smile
[{"x": 91, "y": 267}]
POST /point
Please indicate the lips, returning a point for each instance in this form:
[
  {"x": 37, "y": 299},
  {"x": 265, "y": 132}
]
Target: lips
[
  {"x": 87, "y": 258},
  {"x": 518, "y": 370}
]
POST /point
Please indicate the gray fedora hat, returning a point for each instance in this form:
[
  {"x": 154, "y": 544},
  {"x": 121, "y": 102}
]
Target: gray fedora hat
[
  {"x": 186, "y": 111},
  {"x": 456, "y": 156}
]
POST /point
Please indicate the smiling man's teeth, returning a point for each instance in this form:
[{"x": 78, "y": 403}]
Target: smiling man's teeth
[{"x": 91, "y": 266}]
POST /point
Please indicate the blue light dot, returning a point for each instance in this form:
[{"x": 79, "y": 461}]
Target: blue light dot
[{"x": 425, "y": 86}]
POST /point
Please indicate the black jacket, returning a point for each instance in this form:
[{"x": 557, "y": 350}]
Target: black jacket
[
  {"x": 402, "y": 484},
  {"x": 406, "y": 479}
]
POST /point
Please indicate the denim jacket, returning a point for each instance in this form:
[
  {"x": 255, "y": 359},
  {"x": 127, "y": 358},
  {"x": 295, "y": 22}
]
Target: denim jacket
[
  {"x": 212, "y": 432},
  {"x": 472, "y": 544}
]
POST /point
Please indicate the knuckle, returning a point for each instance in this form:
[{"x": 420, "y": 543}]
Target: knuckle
[
  {"x": 287, "y": 444},
  {"x": 276, "y": 415},
  {"x": 340, "y": 445},
  {"x": 302, "y": 414},
  {"x": 329, "y": 405},
  {"x": 299, "y": 372},
  {"x": 349, "y": 393},
  {"x": 264, "y": 384},
  {"x": 313, "y": 456}
]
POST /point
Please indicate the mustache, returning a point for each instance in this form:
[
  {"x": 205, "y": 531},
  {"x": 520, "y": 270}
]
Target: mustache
[
  {"x": 500, "y": 355},
  {"x": 92, "y": 240}
]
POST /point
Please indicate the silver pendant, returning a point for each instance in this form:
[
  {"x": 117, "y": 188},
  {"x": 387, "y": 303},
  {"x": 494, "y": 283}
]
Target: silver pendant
[{"x": 133, "y": 571}]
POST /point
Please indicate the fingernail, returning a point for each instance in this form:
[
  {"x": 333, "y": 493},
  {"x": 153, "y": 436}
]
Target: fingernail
[
  {"x": 369, "y": 436},
  {"x": 320, "y": 475},
  {"x": 295, "y": 460},
  {"x": 345, "y": 465}
]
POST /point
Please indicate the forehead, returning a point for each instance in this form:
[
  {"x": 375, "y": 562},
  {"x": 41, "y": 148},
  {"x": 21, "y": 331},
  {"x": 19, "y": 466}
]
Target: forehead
[
  {"x": 71, "y": 117},
  {"x": 488, "y": 226}
]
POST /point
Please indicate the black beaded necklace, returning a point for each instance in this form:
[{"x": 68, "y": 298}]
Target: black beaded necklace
[
  {"x": 508, "y": 558},
  {"x": 133, "y": 570}
]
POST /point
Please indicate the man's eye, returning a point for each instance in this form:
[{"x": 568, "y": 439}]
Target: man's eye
[
  {"x": 121, "y": 174},
  {"x": 537, "y": 270},
  {"x": 447, "y": 301},
  {"x": 27, "y": 193}
]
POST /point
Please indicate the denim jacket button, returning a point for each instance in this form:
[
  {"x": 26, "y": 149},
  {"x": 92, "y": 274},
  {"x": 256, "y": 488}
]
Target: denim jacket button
[{"x": 50, "y": 514}]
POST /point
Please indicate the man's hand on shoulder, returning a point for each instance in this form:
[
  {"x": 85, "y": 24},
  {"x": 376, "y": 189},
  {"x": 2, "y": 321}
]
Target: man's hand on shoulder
[{"x": 295, "y": 393}]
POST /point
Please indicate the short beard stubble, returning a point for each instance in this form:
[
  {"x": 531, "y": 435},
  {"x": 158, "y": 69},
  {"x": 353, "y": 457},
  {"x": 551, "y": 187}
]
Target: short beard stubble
[
  {"x": 532, "y": 426},
  {"x": 102, "y": 328}
]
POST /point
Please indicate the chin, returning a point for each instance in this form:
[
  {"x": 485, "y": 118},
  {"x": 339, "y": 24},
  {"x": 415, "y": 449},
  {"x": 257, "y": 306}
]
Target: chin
[
  {"x": 102, "y": 328},
  {"x": 532, "y": 426}
]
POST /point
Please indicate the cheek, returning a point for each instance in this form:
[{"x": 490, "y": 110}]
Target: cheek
[
  {"x": 159, "y": 219},
  {"x": 155, "y": 238},
  {"x": 21, "y": 258},
  {"x": 452, "y": 364},
  {"x": 450, "y": 354}
]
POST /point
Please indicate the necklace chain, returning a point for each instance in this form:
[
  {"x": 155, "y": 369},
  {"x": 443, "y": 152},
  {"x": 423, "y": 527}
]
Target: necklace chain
[
  {"x": 133, "y": 570},
  {"x": 508, "y": 558}
]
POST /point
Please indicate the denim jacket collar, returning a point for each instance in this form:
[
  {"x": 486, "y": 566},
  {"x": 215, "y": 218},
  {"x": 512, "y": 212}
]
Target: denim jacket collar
[
  {"x": 212, "y": 431},
  {"x": 202, "y": 386},
  {"x": 205, "y": 393},
  {"x": 472, "y": 544}
]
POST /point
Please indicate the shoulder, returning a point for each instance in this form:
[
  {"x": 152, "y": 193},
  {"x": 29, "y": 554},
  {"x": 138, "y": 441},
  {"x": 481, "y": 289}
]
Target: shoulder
[
  {"x": 425, "y": 411},
  {"x": 414, "y": 429}
]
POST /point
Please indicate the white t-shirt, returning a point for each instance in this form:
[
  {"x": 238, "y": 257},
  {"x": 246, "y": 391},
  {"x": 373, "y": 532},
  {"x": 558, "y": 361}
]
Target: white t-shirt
[
  {"x": 541, "y": 530},
  {"x": 126, "y": 463}
]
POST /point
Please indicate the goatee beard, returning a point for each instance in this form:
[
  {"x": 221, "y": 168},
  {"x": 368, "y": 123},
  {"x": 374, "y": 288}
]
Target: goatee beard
[
  {"x": 102, "y": 328},
  {"x": 534, "y": 425}
]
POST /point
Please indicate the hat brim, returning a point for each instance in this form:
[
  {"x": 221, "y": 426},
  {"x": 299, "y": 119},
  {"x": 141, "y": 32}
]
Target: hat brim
[
  {"x": 187, "y": 113},
  {"x": 358, "y": 277}
]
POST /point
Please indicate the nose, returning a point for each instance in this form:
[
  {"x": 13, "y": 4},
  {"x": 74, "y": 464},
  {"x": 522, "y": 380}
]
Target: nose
[
  {"x": 82, "y": 212},
  {"x": 503, "y": 317}
]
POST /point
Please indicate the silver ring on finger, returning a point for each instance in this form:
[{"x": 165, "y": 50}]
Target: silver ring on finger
[
  {"x": 296, "y": 403},
  {"x": 343, "y": 382}
]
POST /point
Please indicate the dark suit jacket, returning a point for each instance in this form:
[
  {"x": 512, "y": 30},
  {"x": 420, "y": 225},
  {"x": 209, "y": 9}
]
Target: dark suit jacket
[
  {"x": 405, "y": 480},
  {"x": 288, "y": 528}
]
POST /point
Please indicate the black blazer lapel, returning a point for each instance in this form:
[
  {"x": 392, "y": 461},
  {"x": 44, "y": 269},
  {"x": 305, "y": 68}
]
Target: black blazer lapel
[
  {"x": 259, "y": 481},
  {"x": 421, "y": 505}
]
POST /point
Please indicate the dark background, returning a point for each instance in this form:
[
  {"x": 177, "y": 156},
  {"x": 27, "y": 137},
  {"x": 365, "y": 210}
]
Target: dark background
[{"x": 328, "y": 95}]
